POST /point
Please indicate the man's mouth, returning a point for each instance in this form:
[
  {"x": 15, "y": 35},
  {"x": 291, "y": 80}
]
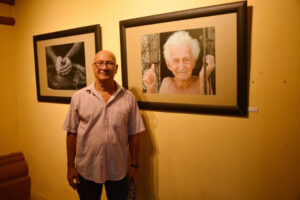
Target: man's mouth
[{"x": 182, "y": 71}]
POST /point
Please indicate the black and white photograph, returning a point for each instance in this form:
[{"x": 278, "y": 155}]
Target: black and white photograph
[
  {"x": 66, "y": 66},
  {"x": 63, "y": 60}
]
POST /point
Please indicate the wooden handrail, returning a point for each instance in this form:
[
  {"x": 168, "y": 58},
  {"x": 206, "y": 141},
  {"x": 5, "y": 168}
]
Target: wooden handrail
[
  {"x": 7, "y": 20},
  {"x": 9, "y": 2}
]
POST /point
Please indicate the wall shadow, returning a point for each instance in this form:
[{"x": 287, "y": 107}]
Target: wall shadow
[{"x": 148, "y": 172}]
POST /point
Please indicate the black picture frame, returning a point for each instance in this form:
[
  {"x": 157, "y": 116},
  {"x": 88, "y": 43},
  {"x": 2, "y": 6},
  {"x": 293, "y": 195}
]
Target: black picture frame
[
  {"x": 239, "y": 107},
  {"x": 55, "y": 88}
]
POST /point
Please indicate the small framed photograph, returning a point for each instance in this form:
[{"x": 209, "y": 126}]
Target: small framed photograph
[
  {"x": 63, "y": 60},
  {"x": 188, "y": 61}
]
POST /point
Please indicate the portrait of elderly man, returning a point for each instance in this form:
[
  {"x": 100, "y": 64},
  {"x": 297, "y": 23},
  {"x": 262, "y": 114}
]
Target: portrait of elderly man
[{"x": 181, "y": 53}]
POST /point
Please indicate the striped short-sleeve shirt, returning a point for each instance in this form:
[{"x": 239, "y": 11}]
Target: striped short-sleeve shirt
[{"x": 102, "y": 132}]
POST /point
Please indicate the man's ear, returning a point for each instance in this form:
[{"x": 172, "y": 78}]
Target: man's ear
[{"x": 194, "y": 63}]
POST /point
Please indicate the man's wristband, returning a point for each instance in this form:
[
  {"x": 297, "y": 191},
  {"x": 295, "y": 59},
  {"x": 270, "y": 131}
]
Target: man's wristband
[{"x": 134, "y": 166}]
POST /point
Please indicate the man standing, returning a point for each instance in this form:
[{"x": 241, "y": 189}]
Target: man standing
[{"x": 102, "y": 120}]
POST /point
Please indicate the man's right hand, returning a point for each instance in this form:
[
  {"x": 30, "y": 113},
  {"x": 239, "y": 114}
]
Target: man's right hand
[
  {"x": 73, "y": 177},
  {"x": 66, "y": 67},
  {"x": 149, "y": 79},
  {"x": 63, "y": 66},
  {"x": 58, "y": 64}
]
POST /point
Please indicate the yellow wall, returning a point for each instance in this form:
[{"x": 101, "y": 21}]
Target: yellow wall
[
  {"x": 185, "y": 156},
  {"x": 9, "y": 140}
]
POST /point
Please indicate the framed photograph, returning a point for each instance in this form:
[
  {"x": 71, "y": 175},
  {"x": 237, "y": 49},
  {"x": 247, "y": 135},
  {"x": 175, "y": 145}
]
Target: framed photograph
[
  {"x": 188, "y": 61},
  {"x": 63, "y": 60}
]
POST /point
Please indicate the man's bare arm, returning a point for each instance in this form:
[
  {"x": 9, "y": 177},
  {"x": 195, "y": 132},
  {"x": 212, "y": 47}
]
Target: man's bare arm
[
  {"x": 75, "y": 48},
  {"x": 134, "y": 148},
  {"x": 71, "y": 154},
  {"x": 209, "y": 59}
]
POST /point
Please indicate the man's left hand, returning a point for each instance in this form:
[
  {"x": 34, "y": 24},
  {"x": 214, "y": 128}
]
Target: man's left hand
[{"x": 133, "y": 172}]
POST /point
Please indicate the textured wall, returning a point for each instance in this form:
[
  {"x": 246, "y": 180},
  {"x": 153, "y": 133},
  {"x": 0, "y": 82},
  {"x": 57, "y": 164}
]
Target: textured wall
[{"x": 185, "y": 156}]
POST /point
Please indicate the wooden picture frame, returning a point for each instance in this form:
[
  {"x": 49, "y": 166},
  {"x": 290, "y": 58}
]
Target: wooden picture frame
[
  {"x": 221, "y": 32},
  {"x": 63, "y": 60}
]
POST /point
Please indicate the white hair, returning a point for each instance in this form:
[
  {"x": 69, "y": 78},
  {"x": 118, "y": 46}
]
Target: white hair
[{"x": 180, "y": 38}]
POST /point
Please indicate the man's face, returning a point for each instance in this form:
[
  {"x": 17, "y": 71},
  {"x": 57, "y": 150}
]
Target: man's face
[
  {"x": 102, "y": 66},
  {"x": 181, "y": 62}
]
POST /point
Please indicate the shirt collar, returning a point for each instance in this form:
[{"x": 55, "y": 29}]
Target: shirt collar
[{"x": 91, "y": 88}]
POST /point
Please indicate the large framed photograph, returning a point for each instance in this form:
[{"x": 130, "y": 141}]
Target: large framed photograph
[
  {"x": 63, "y": 60},
  {"x": 188, "y": 61}
]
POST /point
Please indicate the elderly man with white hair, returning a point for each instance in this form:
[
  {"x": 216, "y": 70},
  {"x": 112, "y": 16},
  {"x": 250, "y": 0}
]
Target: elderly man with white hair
[{"x": 181, "y": 52}]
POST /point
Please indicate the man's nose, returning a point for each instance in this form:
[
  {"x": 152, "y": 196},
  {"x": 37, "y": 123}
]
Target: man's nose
[
  {"x": 104, "y": 67},
  {"x": 181, "y": 63}
]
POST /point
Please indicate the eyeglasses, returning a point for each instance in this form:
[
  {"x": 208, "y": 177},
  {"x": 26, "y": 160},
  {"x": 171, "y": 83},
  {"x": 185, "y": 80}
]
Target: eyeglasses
[{"x": 101, "y": 63}]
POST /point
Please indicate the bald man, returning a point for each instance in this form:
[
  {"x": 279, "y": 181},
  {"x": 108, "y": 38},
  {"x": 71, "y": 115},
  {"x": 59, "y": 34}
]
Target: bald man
[{"x": 102, "y": 121}]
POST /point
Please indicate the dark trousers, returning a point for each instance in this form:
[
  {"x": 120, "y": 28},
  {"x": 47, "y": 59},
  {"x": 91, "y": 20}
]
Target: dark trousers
[{"x": 115, "y": 190}]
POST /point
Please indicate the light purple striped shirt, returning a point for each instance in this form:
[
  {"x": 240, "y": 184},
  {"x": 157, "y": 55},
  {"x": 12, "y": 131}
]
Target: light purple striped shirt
[{"x": 102, "y": 132}]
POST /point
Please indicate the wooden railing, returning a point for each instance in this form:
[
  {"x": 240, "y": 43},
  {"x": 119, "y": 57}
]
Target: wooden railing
[
  {"x": 14, "y": 178},
  {"x": 7, "y": 20},
  {"x": 9, "y": 2}
]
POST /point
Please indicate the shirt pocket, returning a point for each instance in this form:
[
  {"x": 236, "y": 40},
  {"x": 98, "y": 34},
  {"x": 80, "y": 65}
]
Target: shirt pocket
[
  {"x": 119, "y": 119},
  {"x": 86, "y": 114},
  {"x": 119, "y": 115}
]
